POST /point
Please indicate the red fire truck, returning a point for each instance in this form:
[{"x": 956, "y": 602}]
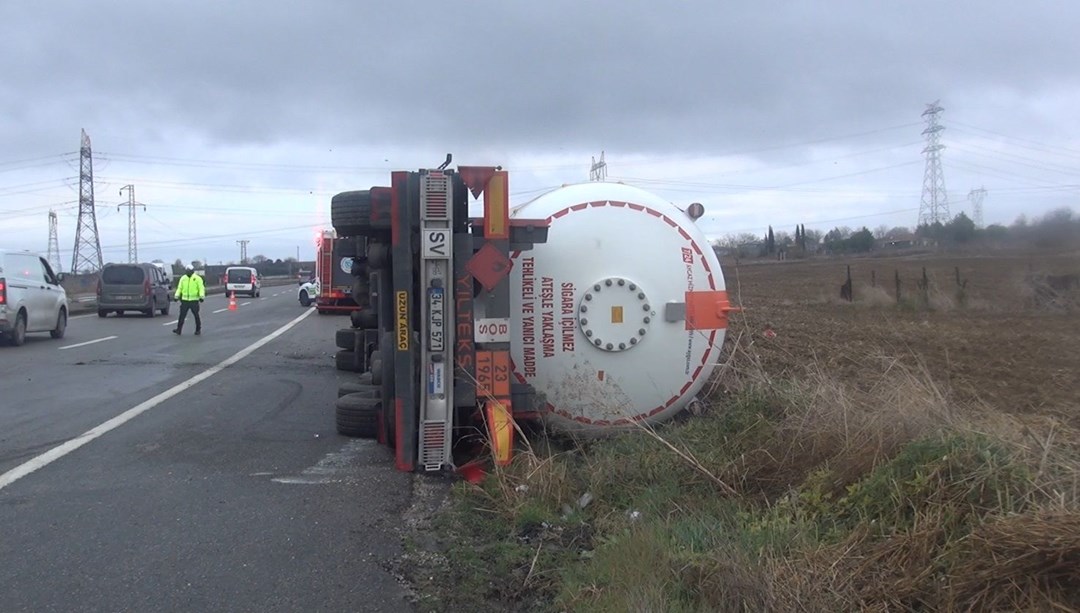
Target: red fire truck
[{"x": 334, "y": 259}]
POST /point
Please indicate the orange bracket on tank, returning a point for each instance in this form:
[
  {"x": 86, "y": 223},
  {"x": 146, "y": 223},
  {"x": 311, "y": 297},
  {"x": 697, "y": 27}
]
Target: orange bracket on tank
[{"x": 708, "y": 310}]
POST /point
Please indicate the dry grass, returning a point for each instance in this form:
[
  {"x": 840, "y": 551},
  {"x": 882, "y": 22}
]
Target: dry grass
[{"x": 797, "y": 491}]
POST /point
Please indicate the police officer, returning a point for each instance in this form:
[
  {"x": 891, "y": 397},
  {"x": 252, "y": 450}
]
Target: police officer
[{"x": 190, "y": 291}]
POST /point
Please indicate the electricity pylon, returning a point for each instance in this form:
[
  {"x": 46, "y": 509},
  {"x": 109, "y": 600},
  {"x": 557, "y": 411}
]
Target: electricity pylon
[
  {"x": 133, "y": 245},
  {"x": 935, "y": 202},
  {"x": 86, "y": 257},
  {"x": 54, "y": 244}
]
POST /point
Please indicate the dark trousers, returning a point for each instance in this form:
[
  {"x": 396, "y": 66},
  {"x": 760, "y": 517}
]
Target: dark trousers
[{"x": 193, "y": 306}]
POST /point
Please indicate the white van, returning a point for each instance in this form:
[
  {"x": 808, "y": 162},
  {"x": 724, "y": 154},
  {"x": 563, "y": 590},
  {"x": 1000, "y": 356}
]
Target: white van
[
  {"x": 242, "y": 280},
  {"x": 31, "y": 298},
  {"x": 166, "y": 270}
]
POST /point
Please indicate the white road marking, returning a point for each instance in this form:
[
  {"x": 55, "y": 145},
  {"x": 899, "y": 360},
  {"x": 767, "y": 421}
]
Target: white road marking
[
  {"x": 62, "y": 450},
  {"x": 220, "y": 310},
  {"x": 335, "y": 467},
  {"x": 262, "y": 298},
  {"x": 98, "y": 340},
  {"x": 244, "y": 303},
  {"x": 171, "y": 323},
  {"x": 81, "y": 316}
]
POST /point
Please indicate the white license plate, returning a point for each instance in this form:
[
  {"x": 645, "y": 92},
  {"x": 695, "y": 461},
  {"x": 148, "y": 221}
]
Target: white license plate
[{"x": 436, "y": 319}]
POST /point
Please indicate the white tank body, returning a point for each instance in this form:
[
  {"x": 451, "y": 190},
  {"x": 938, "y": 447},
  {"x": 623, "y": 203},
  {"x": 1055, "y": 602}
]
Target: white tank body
[{"x": 593, "y": 332}]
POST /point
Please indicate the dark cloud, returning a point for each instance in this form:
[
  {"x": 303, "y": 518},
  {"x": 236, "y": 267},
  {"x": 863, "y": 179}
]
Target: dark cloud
[{"x": 407, "y": 81}]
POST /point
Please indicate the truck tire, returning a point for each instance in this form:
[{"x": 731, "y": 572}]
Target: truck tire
[
  {"x": 356, "y": 387},
  {"x": 357, "y": 415},
  {"x": 346, "y": 338},
  {"x": 347, "y": 360},
  {"x": 305, "y": 301},
  {"x": 350, "y": 212}
]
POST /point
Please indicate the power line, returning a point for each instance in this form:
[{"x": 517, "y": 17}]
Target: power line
[
  {"x": 47, "y": 184},
  {"x": 212, "y": 238},
  {"x": 1033, "y": 144},
  {"x": 45, "y": 160}
]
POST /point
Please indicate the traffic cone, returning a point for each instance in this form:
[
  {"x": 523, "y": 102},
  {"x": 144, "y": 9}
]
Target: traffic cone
[{"x": 232, "y": 301}]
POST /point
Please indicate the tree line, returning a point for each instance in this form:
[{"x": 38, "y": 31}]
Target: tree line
[{"x": 1057, "y": 229}]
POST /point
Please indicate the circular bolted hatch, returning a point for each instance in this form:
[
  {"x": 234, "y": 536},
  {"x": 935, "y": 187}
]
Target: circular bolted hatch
[{"x": 614, "y": 314}]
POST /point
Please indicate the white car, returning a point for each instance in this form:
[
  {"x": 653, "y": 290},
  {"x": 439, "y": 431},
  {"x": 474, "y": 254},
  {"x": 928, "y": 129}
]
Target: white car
[
  {"x": 307, "y": 292},
  {"x": 31, "y": 298},
  {"x": 242, "y": 280}
]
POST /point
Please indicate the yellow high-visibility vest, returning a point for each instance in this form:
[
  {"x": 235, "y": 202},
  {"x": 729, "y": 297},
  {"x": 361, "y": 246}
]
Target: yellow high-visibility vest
[{"x": 190, "y": 287}]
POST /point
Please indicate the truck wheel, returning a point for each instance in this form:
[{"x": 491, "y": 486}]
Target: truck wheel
[
  {"x": 346, "y": 338},
  {"x": 356, "y": 387},
  {"x": 365, "y": 318},
  {"x": 101, "y": 313},
  {"x": 347, "y": 360},
  {"x": 350, "y": 212},
  {"x": 357, "y": 415},
  {"x": 304, "y": 300}
]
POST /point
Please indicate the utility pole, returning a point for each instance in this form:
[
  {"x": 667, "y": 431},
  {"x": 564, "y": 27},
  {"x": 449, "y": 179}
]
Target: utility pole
[
  {"x": 935, "y": 202},
  {"x": 54, "y": 244},
  {"x": 133, "y": 248},
  {"x": 598, "y": 171},
  {"x": 243, "y": 250},
  {"x": 86, "y": 256}
]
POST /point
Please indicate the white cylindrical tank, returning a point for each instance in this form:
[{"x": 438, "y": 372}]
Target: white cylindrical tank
[{"x": 595, "y": 334}]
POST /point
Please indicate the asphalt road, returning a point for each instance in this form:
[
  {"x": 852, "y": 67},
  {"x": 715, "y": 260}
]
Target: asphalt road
[{"x": 142, "y": 471}]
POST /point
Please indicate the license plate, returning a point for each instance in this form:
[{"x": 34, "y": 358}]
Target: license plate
[{"x": 436, "y": 319}]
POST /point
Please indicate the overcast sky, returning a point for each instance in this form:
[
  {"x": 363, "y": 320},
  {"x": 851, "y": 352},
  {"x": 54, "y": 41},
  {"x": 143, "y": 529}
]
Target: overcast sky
[{"x": 240, "y": 119}]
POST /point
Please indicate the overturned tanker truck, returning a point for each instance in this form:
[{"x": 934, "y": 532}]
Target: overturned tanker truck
[{"x": 591, "y": 308}]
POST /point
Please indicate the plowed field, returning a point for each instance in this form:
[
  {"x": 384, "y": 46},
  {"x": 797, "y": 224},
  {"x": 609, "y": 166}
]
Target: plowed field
[{"x": 1004, "y": 340}]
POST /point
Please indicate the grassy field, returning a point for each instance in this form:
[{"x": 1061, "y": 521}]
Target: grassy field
[{"x": 875, "y": 454}]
